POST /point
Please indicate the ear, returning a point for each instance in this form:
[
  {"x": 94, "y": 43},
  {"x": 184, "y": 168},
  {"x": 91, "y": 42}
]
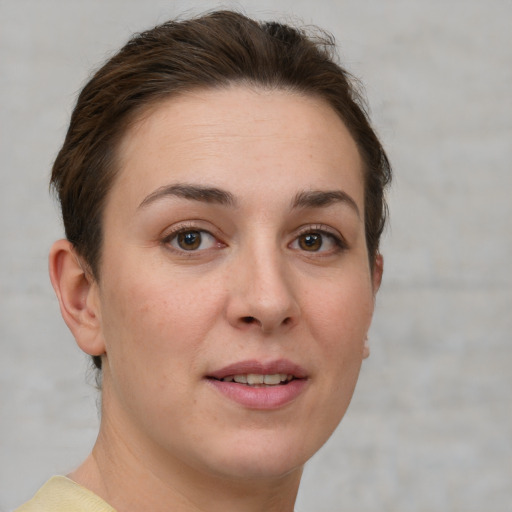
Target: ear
[
  {"x": 378, "y": 270},
  {"x": 366, "y": 348},
  {"x": 78, "y": 296}
]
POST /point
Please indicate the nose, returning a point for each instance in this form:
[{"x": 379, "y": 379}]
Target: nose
[{"x": 262, "y": 293}]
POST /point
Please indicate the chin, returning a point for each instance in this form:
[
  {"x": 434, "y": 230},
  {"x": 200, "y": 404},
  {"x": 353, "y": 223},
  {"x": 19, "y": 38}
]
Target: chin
[
  {"x": 257, "y": 456},
  {"x": 260, "y": 468}
]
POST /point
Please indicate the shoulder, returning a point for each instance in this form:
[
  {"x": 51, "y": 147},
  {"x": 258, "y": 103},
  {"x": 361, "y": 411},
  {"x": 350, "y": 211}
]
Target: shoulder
[{"x": 60, "y": 494}]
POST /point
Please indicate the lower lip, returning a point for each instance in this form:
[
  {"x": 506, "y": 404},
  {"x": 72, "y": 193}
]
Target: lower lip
[{"x": 264, "y": 398}]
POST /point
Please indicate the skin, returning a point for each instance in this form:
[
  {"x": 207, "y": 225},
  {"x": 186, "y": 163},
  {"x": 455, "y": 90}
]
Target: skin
[{"x": 163, "y": 318}]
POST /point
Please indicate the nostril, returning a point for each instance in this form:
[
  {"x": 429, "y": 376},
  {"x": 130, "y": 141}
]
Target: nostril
[{"x": 253, "y": 320}]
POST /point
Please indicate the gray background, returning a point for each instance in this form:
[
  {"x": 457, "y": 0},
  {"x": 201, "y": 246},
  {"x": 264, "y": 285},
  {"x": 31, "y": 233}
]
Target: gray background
[{"x": 430, "y": 427}]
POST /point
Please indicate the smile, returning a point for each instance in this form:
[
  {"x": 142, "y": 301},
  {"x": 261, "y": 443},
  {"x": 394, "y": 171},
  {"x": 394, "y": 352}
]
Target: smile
[
  {"x": 259, "y": 380},
  {"x": 264, "y": 386}
]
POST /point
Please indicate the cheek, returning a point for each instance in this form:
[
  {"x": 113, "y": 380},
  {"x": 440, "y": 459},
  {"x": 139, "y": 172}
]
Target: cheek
[
  {"x": 156, "y": 319},
  {"x": 338, "y": 318},
  {"x": 340, "y": 312}
]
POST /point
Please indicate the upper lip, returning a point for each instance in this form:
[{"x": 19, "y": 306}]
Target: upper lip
[{"x": 257, "y": 367}]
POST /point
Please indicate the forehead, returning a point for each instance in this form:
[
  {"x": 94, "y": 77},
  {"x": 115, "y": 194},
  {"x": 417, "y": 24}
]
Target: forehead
[{"x": 238, "y": 137}]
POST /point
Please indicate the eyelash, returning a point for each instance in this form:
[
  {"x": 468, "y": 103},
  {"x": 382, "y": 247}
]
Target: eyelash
[
  {"x": 319, "y": 229},
  {"x": 184, "y": 229}
]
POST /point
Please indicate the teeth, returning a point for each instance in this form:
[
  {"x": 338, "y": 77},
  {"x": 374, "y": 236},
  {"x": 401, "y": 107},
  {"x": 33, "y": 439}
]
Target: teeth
[
  {"x": 255, "y": 379},
  {"x": 272, "y": 379}
]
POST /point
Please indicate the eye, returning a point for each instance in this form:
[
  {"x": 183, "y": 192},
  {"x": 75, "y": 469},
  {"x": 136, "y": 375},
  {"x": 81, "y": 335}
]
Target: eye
[
  {"x": 191, "y": 240},
  {"x": 310, "y": 241},
  {"x": 320, "y": 241}
]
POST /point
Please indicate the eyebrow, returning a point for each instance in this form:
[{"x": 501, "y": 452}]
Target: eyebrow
[
  {"x": 192, "y": 192},
  {"x": 321, "y": 198},
  {"x": 304, "y": 199}
]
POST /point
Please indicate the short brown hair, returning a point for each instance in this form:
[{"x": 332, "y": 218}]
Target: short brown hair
[{"x": 215, "y": 50}]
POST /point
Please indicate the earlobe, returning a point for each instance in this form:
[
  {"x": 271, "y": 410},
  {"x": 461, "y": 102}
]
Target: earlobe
[
  {"x": 366, "y": 348},
  {"x": 378, "y": 270},
  {"x": 77, "y": 292}
]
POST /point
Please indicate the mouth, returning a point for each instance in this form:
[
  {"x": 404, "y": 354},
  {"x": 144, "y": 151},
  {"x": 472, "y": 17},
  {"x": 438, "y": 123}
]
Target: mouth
[
  {"x": 256, "y": 373},
  {"x": 259, "y": 385},
  {"x": 258, "y": 380}
]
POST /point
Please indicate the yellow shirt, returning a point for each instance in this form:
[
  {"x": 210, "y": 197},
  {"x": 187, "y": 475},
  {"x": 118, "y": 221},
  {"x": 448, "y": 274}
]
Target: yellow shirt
[{"x": 60, "y": 494}]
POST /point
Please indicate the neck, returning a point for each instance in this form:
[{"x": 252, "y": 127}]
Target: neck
[{"x": 137, "y": 478}]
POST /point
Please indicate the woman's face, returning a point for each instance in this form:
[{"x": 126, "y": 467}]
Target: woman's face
[{"x": 235, "y": 292}]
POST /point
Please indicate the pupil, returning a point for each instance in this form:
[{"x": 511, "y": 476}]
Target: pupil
[
  {"x": 311, "y": 241},
  {"x": 189, "y": 240}
]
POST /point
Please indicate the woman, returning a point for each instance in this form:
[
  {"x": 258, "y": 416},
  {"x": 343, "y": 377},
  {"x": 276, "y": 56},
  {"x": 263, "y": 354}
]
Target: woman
[{"x": 222, "y": 195}]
